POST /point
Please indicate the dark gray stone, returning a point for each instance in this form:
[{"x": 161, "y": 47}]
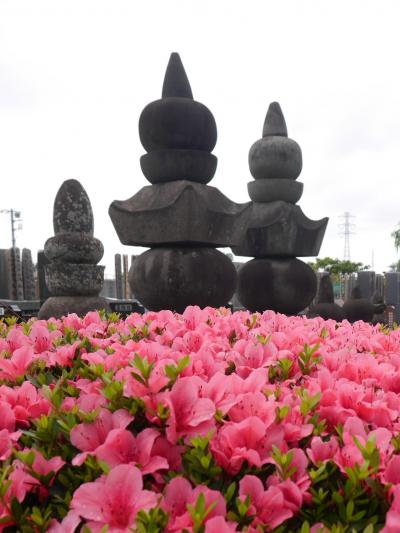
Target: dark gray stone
[
  {"x": 272, "y": 190},
  {"x": 274, "y": 124},
  {"x": 173, "y": 278},
  {"x": 160, "y": 166},
  {"x": 275, "y": 158},
  {"x": 177, "y": 212},
  {"x": 16, "y": 271},
  {"x": 283, "y": 285},
  {"x": 73, "y": 253},
  {"x": 278, "y": 229},
  {"x": 326, "y": 306},
  {"x": 28, "y": 275},
  {"x": 42, "y": 261},
  {"x": 59, "y": 306},
  {"x": 74, "y": 248},
  {"x": 118, "y": 276},
  {"x": 68, "y": 279},
  {"x": 358, "y": 308},
  {"x": 72, "y": 209},
  {"x": 6, "y": 291},
  {"x": 176, "y": 82},
  {"x": 177, "y": 123},
  {"x": 366, "y": 283}
]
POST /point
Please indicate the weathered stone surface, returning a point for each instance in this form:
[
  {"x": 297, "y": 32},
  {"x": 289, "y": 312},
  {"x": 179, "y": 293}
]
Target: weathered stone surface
[
  {"x": 72, "y": 209},
  {"x": 160, "y": 166},
  {"x": 177, "y": 212},
  {"x": 275, "y": 158},
  {"x": 278, "y": 229},
  {"x": 273, "y": 190},
  {"x": 326, "y": 306},
  {"x": 59, "y": 306},
  {"x": 274, "y": 124},
  {"x": 68, "y": 279},
  {"x": 283, "y": 285},
  {"x": 73, "y": 248},
  {"x": 42, "y": 261},
  {"x": 28, "y": 276},
  {"x": 173, "y": 278}
]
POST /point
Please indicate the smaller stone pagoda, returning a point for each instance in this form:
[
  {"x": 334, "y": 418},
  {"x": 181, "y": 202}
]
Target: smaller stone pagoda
[
  {"x": 273, "y": 229},
  {"x": 73, "y": 277}
]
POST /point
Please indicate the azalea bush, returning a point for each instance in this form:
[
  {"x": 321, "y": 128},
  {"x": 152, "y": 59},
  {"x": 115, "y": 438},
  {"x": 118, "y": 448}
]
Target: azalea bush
[{"x": 202, "y": 422}]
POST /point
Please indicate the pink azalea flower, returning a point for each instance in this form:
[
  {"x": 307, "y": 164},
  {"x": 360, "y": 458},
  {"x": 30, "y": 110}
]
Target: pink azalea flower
[
  {"x": 122, "y": 447},
  {"x": 68, "y": 525},
  {"x": 87, "y": 437},
  {"x": 249, "y": 440},
  {"x": 392, "y": 524},
  {"x": 113, "y": 500},
  {"x": 18, "y": 364},
  {"x": 179, "y": 494},
  {"x": 267, "y": 506},
  {"x": 189, "y": 413},
  {"x": 322, "y": 451}
]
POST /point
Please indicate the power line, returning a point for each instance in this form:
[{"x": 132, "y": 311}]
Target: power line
[{"x": 347, "y": 229}]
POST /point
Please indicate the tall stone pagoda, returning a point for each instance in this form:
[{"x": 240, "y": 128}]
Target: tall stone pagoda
[
  {"x": 274, "y": 230},
  {"x": 179, "y": 217},
  {"x": 73, "y": 276}
]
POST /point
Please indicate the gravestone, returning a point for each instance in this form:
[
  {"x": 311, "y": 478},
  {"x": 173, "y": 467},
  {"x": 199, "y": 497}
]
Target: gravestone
[
  {"x": 5, "y": 275},
  {"x": 392, "y": 292},
  {"x": 118, "y": 276},
  {"x": 28, "y": 275},
  {"x": 72, "y": 275},
  {"x": 366, "y": 283},
  {"x": 43, "y": 290},
  {"x": 180, "y": 217},
  {"x": 273, "y": 229}
]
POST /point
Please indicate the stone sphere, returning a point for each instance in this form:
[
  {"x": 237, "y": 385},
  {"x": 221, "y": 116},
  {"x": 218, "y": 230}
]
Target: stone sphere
[
  {"x": 68, "y": 279},
  {"x": 161, "y": 166},
  {"x": 284, "y": 285},
  {"x": 173, "y": 278},
  {"x": 275, "y": 158},
  {"x": 73, "y": 248},
  {"x": 177, "y": 123},
  {"x": 272, "y": 190}
]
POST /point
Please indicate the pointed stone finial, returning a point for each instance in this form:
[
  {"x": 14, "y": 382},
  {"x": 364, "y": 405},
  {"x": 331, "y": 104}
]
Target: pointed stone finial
[
  {"x": 176, "y": 82},
  {"x": 274, "y": 124},
  {"x": 72, "y": 209}
]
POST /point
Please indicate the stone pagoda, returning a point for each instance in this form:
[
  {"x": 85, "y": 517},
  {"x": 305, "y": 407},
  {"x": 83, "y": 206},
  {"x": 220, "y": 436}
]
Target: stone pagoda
[
  {"x": 274, "y": 230},
  {"x": 179, "y": 217},
  {"x": 72, "y": 276}
]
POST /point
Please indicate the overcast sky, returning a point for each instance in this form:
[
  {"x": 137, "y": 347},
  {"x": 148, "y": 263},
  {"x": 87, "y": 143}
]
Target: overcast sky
[{"x": 75, "y": 76}]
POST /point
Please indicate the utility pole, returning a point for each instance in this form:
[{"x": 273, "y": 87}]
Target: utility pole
[
  {"x": 15, "y": 216},
  {"x": 347, "y": 230}
]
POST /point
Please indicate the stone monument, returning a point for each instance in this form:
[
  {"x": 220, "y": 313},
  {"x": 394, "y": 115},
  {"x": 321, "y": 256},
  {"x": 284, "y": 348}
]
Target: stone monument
[
  {"x": 273, "y": 229},
  {"x": 28, "y": 275},
  {"x": 180, "y": 217},
  {"x": 325, "y": 306},
  {"x": 72, "y": 276}
]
